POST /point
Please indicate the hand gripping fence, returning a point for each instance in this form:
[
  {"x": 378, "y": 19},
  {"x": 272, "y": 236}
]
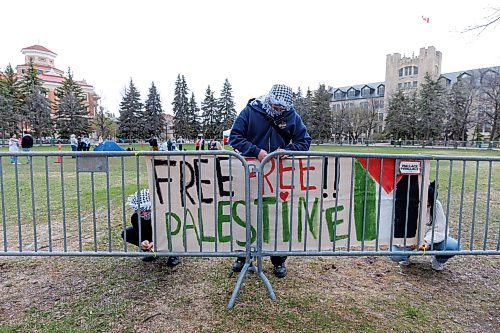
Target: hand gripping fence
[{"x": 220, "y": 204}]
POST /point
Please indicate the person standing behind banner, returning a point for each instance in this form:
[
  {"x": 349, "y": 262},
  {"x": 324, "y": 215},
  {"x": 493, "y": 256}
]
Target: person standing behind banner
[
  {"x": 13, "y": 148},
  {"x": 180, "y": 142},
  {"x": 27, "y": 144},
  {"x": 269, "y": 123}
]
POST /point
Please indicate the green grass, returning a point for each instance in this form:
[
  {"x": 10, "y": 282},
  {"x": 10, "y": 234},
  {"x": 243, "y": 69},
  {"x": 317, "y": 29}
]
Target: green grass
[{"x": 117, "y": 294}]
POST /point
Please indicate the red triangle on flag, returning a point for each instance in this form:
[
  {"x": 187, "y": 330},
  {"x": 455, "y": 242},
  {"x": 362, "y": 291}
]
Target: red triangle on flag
[{"x": 387, "y": 181}]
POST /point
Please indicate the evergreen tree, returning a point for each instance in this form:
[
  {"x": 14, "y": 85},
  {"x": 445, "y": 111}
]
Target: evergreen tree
[
  {"x": 226, "y": 110},
  {"x": 153, "y": 114},
  {"x": 210, "y": 121},
  {"x": 193, "y": 118},
  {"x": 31, "y": 81},
  {"x": 182, "y": 127},
  {"x": 431, "y": 109},
  {"x": 72, "y": 115},
  {"x": 130, "y": 114},
  {"x": 11, "y": 101},
  {"x": 401, "y": 121},
  {"x": 320, "y": 119},
  {"x": 37, "y": 110}
]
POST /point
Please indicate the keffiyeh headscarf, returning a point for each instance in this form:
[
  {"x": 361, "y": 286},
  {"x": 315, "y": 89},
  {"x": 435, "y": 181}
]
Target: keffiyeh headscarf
[
  {"x": 279, "y": 94},
  {"x": 140, "y": 201}
]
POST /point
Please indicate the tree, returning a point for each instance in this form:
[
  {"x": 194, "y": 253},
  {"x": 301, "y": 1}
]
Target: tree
[
  {"x": 460, "y": 108},
  {"x": 226, "y": 110},
  {"x": 371, "y": 111},
  {"x": 490, "y": 100},
  {"x": 130, "y": 114},
  {"x": 37, "y": 110},
  {"x": 490, "y": 20},
  {"x": 209, "y": 119},
  {"x": 153, "y": 114},
  {"x": 71, "y": 116},
  {"x": 401, "y": 120},
  {"x": 9, "y": 119},
  {"x": 180, "y": 108},
  {"x": 31, "y": 81},
  {"x": 320, "y": 119},
  {"x": 193, "y": 117},
  {"x": 431, "y": 109},
  {"x": 13, "y": 100},
  {"x": 105, "y": 126}
]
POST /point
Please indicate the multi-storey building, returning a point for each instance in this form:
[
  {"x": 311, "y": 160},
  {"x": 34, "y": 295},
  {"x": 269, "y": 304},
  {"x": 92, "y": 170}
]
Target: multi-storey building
[
  {"x": 401, "y": 73},
  {"x": 43, "y": 61}
]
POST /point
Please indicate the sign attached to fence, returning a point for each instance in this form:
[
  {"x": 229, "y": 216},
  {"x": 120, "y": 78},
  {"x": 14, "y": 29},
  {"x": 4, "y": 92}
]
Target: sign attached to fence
[
  {"x": 410, "y": 167},
  {"x": 307, "y": 204}
]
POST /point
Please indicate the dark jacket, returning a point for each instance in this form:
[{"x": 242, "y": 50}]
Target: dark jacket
[
  {"x": 27, "y": 141},
  {"x": 132, "y": 233},
  {"x": 253, "y": 130}
]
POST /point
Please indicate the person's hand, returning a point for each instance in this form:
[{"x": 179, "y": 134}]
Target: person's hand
[
  {"x": 262, "y": 154},
  {"x": 282, "y": 156},
  {"x": 147, "y": 245},
  {"x": 424, "y": 247}
]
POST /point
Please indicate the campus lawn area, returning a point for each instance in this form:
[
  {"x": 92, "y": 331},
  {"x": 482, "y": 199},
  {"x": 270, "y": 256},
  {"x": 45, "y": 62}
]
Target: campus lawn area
[{"x": 320, "y": 294}]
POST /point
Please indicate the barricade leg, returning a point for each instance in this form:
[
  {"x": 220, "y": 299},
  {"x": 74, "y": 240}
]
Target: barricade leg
[
  {"x": 264, "y": 279},
  {"x": 239, "y": 282}
]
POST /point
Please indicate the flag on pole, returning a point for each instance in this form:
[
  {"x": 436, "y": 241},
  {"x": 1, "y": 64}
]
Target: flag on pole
[{"x": 426, "y": 19}]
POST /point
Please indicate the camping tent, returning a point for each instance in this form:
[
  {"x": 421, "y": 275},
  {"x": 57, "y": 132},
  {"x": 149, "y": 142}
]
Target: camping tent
[{"x": 108, "y": 145}]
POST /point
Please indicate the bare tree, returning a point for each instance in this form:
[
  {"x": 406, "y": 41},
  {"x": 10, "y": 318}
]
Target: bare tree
[
  {"x": 461, "y": 107},
  {"x": 488, "y": 21},
  {"x": 490, "y": 99}
]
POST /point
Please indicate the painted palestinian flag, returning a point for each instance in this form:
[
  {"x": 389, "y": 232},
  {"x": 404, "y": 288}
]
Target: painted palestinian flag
[{"x": 375, "y": 196}]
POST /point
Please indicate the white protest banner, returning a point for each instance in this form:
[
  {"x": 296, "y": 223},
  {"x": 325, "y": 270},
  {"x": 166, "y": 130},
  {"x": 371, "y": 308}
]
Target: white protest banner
[{"x": 200, "y": 202}]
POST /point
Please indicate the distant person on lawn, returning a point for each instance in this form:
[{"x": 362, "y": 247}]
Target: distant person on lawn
[
  {"x": 27, "y": 144},
  {"x": 13, "y": 147},
  {"x": 269, "y": 123}
]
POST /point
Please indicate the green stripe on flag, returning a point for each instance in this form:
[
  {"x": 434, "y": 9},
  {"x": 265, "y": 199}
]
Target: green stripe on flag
[{"x": 359, "y": 201}]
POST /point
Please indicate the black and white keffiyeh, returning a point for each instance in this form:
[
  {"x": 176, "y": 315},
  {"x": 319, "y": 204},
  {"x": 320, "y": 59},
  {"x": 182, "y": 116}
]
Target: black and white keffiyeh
[
  {"x": 279, "y": 94},
  {"x": 140, "y": 201}
]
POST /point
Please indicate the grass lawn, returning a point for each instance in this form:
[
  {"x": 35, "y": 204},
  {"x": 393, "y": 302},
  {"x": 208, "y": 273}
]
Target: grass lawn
[{"x": 341, "y": 294}]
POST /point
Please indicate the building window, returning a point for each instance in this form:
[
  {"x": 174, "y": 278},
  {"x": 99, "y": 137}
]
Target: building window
[
  {"x": 42, "y": 59},
  {"x": 401, "y": 72},
  {"x": 351, "y": 93},
  {"x": 400, "y": 86},
  {"x": 380, "y": 116},
  {"x": 366, "y": 91},
  {"x": 415, "y": 70},
  {"x": 381, "y": 104},
  {"x": 338, "y": 94},
  {"x": 414, "y": 84},
  {"x": 381, "y": 90},
  {"x": 40, "y": 72},
  {"x": 23, "y": 71}
]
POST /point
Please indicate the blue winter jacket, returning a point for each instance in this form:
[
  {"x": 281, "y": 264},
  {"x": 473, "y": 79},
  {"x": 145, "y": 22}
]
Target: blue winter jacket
[{"x": 253, "y": 130}]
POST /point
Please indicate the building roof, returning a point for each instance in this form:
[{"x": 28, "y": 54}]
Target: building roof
[
  {"x": 38, "y": 48},
  {"x": 356, "y": 87},
  {"x": 453, "y": 76}
]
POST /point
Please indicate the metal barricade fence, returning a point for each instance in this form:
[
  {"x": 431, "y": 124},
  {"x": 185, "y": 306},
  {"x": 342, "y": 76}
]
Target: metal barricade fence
[
  {"x": 314, "y": 204},
  {"x": 468, "y": 188}
]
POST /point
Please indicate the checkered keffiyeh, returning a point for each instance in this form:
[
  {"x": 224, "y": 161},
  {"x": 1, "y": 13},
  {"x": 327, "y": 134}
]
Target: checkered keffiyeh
[
  {"x": 140, "y": 201},
  {"x": 279, "y": 94}
]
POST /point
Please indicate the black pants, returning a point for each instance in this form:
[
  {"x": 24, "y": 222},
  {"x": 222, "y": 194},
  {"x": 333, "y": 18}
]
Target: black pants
[{"x": 133, "y": 235}]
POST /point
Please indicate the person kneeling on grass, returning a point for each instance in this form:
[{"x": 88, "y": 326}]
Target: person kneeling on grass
[
  {"x": 141, "y": 204},
  {"x": 437, "y": 222}
]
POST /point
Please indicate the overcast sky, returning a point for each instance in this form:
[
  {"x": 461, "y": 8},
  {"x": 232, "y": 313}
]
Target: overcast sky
[{"x": 252, "y": 43}]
